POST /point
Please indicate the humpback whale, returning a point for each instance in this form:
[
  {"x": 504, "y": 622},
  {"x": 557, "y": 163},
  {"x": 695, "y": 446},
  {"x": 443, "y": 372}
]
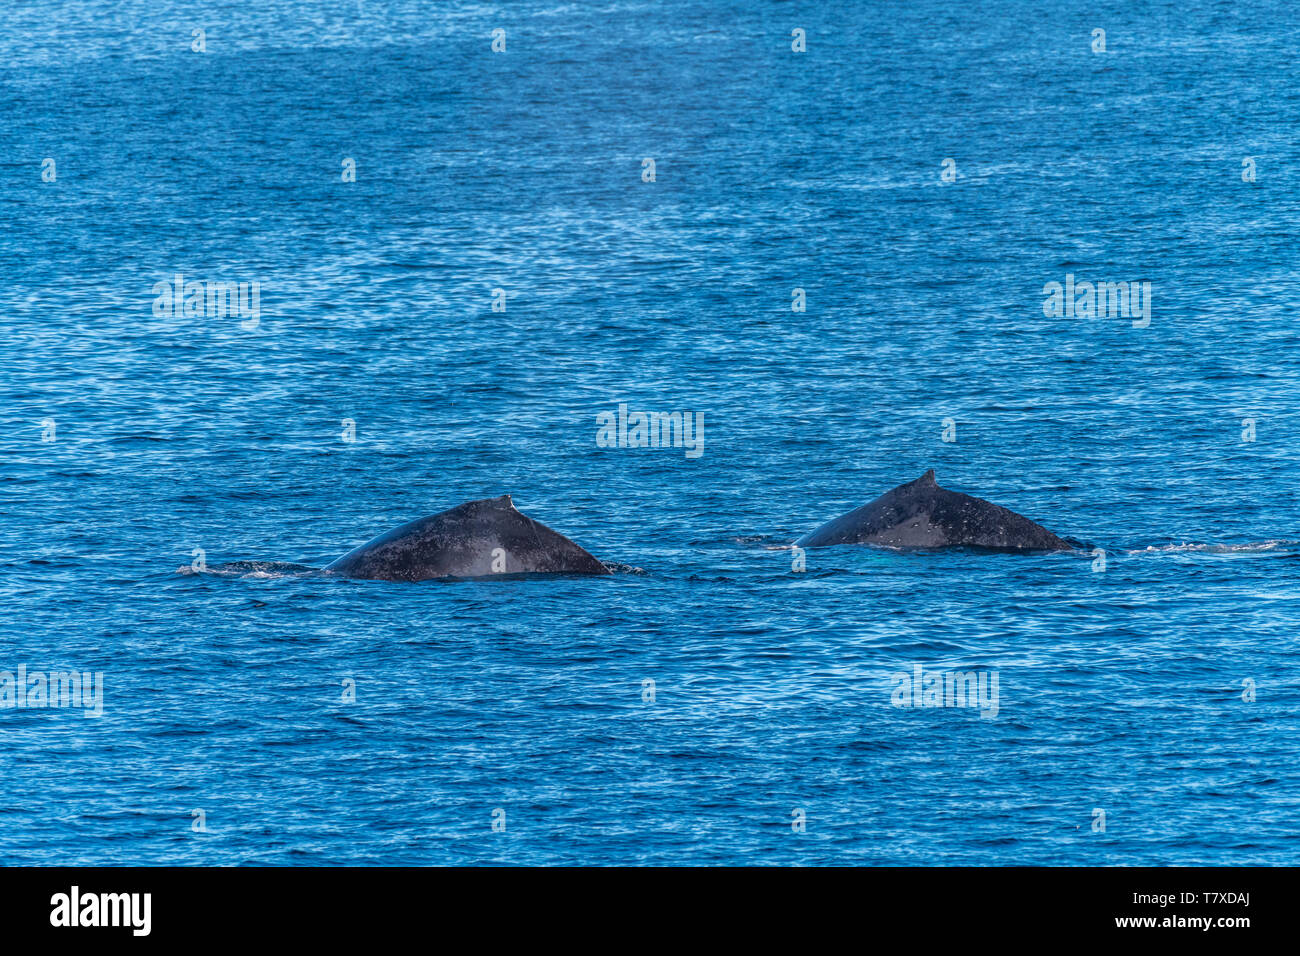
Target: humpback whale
[
  {"x": 476, "y": 539},
  {"x": 920, "y": 514}
]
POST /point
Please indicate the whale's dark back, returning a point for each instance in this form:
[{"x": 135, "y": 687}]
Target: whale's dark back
[
  {"x": 476, "y": 539},
  {"x": 920, "y": 514}
]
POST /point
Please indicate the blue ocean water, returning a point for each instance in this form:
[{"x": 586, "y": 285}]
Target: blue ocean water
[{"x": 713, "y": 706}]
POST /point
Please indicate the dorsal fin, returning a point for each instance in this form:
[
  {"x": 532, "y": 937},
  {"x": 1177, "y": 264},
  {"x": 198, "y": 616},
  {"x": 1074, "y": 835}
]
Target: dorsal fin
[
  {"x": 502, "y": 502},
  {"x": 928, "y": 479}
]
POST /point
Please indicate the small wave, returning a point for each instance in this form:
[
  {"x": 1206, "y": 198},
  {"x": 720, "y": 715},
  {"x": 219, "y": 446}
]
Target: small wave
[
  {"x": 1250, "y": 547},
  {"x": 615, "y": 567},
  {"x": 253, "y": 569}
]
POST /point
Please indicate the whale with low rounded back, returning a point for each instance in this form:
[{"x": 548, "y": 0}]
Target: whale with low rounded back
[
  {"x": 920, "y": 514},
  {"x": 477, "y": 539}
]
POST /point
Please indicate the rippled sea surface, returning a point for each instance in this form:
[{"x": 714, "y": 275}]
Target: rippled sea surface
[{"x": 1161, "y": 691}]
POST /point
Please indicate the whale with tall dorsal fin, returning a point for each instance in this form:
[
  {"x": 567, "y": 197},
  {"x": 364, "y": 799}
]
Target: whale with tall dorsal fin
[
  {"x": 478, "y": 539},
  {"x": 920, "y": 514}
]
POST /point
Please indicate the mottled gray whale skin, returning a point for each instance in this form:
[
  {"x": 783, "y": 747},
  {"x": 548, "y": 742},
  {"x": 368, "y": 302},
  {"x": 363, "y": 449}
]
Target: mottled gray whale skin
[
  {"x": 920, "y": 514},
  {"x": 478, "y": 539}
]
